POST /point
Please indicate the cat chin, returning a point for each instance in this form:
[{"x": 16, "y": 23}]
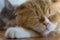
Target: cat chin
[{"x": 50, "y": 28}]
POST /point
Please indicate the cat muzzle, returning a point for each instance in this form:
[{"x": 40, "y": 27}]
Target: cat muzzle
[{"x": 45, "y": 23}]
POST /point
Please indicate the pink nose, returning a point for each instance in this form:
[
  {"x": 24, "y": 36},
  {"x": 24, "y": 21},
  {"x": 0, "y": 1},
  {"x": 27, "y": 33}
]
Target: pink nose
[{"x": 46, "y": 24}]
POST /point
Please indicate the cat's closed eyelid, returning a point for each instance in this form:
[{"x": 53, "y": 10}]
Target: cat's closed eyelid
[
  {"x": 50, "y": 19},
  {"x": 42, "y": 19},
  {"x": 54, "y": 18}
]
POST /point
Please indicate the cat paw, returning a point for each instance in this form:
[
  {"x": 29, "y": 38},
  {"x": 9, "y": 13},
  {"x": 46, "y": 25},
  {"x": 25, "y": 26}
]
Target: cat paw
[{"x": 16, "y": 32}]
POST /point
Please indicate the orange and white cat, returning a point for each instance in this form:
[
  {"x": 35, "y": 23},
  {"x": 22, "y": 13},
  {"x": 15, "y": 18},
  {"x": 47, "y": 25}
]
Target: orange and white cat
[{"x": 41, "y": 16}]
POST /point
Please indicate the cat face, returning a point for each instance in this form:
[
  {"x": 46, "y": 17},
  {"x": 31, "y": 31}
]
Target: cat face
[
  {"x": 6, "y": 15},
  {"x": 29, "y": 15},
  {"x": 54, "y": 18},
  {"x": 7, "y": 11}
]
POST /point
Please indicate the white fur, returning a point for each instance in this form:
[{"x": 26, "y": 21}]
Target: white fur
[
  {"x": 18, "y": 32},
  {"x": 13, "y": 2},
  {"x": 51, "y": 27}
]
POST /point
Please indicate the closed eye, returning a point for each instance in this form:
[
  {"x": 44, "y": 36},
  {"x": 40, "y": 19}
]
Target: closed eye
[{"x": 50, "y": 18}]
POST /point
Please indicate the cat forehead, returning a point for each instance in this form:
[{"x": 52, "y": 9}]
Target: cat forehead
[{"x": 56, "y": 7}]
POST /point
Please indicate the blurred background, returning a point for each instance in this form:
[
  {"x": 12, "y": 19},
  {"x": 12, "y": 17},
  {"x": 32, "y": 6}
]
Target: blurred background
[{"x": 13, "y": 2}]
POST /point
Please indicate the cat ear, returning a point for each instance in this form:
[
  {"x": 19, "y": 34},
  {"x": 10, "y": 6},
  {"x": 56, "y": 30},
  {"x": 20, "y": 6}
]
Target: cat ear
[{"x": 8, "y": 5}]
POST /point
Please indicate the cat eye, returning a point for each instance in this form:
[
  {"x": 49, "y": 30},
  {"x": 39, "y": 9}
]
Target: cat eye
[
  {"x": 42, "y": 19},
  {"x": 49, "y": 18}
]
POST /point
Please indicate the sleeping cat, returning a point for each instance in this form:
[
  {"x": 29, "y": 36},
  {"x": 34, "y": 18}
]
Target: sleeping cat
[
  {"x": 6, "y": 15},
  {"x": 41, "y": 16},
  {"x": 6, "y": 12}
]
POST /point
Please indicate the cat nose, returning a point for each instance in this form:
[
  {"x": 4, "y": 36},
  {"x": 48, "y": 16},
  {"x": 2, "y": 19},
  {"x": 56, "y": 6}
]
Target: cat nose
[{"x": 45, "y": 23}]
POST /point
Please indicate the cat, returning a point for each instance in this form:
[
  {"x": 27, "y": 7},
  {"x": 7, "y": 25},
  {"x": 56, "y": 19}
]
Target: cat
[
  {"x": 41, "y": 16},
  {"x": 6, "y": 8},
  {"x": 11, "y": 23},
  {"x": 6, "y": 15}
]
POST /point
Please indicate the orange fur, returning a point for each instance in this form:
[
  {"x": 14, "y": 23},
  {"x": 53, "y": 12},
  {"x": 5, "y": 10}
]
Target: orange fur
[{"x": 29, "y": 13}]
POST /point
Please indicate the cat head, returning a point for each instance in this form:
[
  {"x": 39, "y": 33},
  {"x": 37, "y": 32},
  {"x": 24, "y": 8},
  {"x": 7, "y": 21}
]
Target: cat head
[
  {"x": 7, "y": 10},
  {"x": 31, "y": 14},
  {"x": 6, "y": 14}
]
